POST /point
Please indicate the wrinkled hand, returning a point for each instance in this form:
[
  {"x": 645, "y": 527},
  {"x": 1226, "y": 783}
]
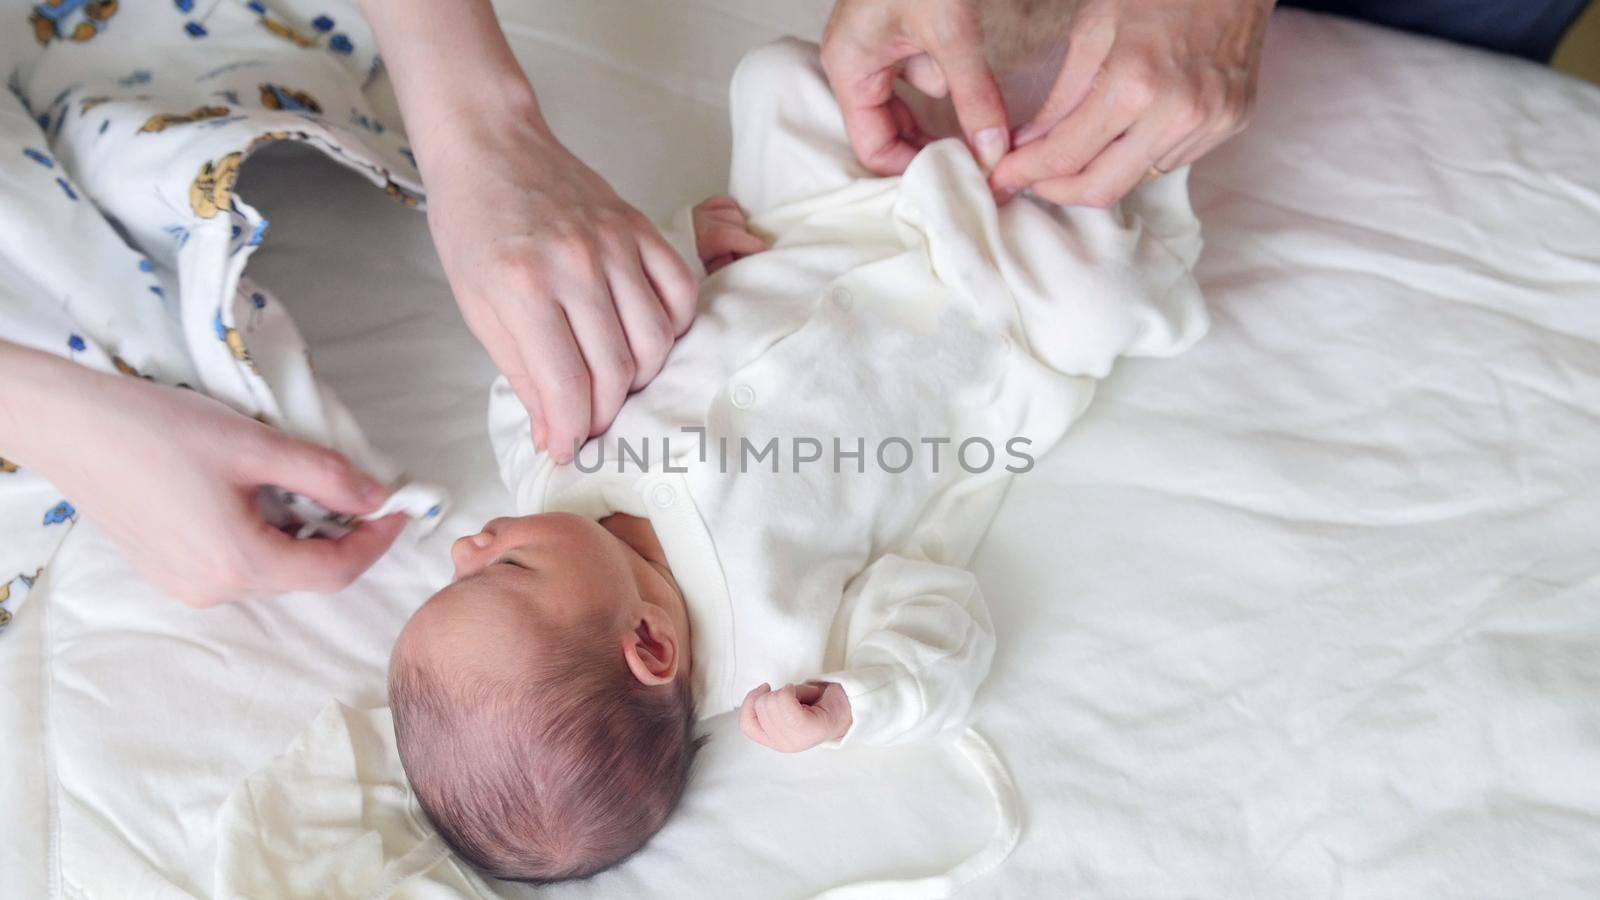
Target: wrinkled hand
[
  {"x": 573, "y": 292},
  {"x": 186, "y": 516},
  {"x": 937, "y": 46},
  {"x": 796, "y": 718},
  {"x": 722, "y": 233},
  {"x": 1147, "y": 87}
]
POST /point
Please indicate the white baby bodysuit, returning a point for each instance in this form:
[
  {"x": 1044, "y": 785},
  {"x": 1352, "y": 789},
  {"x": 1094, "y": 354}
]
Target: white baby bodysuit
[
  {"x": 902, "y": 308},
  {"x": 828, "y": 443}
]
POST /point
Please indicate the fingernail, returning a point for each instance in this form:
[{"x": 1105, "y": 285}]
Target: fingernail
[
  {"x": 481, "y": 540},
  {"x": 1002, "y": 196},
  {"x": 991, "y": 144}
]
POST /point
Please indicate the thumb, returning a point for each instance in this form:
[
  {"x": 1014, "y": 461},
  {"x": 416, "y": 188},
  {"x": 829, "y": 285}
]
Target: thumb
[
  {"x": 836, "y": 704},
  {"x": 976, "y": 96},
  {"x": 324, "y": 475},
  {"x": 322, "y": 565}
]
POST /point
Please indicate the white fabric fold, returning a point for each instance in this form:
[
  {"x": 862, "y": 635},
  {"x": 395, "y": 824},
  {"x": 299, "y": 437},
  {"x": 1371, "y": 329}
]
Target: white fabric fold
[{"x": 123, "y": 243}]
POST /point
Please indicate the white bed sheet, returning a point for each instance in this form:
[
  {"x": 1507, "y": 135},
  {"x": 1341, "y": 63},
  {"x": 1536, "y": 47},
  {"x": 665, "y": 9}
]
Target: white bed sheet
[{"x": 1312, "y": 611}]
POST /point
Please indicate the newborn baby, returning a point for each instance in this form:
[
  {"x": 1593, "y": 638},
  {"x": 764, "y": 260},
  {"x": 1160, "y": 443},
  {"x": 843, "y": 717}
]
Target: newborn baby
[{"x": 780, "y": 523}]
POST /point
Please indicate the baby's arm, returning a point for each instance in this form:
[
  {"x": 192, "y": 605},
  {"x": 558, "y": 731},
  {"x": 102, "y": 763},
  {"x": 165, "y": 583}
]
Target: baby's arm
[{"x": 919, "y": 643}]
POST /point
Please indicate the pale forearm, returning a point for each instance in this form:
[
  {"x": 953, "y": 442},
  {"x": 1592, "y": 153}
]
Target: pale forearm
[
  {"x": 573, "y": 293},
  {"x": 455, "y": 76},
  {"x": 43, "y": 405}
]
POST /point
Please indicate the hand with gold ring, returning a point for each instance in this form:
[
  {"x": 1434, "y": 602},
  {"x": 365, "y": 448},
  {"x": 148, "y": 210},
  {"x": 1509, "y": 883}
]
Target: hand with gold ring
[{"x": 1147, "y": 86}]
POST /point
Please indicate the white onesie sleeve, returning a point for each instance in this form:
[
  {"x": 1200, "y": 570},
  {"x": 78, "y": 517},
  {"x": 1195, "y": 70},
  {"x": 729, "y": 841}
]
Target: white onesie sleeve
[{"x": 918, "y": 643}]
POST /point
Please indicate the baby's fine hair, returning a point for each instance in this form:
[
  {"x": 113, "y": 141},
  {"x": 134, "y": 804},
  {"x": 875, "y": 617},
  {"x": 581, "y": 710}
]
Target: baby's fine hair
[
  {"x": 557, "y": 771},
  {"x": 1014, "y": 30}
]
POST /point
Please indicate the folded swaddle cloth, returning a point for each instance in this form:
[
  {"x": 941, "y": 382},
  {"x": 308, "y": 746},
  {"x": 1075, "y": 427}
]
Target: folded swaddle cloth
[{"x": 122, "y": 242}]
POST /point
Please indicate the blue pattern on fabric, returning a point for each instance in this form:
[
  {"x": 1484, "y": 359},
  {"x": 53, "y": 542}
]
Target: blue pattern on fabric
[{"x": 61, "y": 512}]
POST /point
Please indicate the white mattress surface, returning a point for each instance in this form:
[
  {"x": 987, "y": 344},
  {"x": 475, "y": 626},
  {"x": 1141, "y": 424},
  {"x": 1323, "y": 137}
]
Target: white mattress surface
[{"x": 1311, "y": 611}]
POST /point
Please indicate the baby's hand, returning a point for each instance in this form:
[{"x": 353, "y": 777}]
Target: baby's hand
[
  {"x": 799, "y": 717},
  {"x": 721, "y": 234}
]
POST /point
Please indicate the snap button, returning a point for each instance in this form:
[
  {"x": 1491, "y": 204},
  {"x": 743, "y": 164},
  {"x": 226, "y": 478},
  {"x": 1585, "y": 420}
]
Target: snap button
[
  {"x": 743, "y": 396},
  {"x": 663, "y": 496},
  {"x": 843, "y": 297}
]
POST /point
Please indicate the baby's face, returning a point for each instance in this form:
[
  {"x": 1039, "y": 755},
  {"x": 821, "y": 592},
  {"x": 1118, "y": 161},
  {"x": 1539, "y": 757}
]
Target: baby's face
[
  {"x": 520, "y": 578},
  {"x": 567, "y": 567}
]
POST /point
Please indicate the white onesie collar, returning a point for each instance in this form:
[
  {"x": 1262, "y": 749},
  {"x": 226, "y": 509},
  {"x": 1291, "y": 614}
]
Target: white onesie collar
[{"x": 664, "y": 499}]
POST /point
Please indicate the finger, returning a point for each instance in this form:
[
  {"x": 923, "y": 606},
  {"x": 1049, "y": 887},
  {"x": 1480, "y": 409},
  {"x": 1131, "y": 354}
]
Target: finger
[
  {"x": 324, "y": 475},
  {"x": 721, "y": 240},
  {"x": 716, "y": 203},
  {"x": 724, "y": 229},
  {"x": 976, "y": 97},
  {"x": 502, "y": 348},
  {"x": 522, "y": 385},
  {"x": 556, "y": 367},
  {"x": 748, "y": 723},
  {"x": 922, "y": 73},
  {"x": 1195, "y": 146},
  {"x": 906, "y": 122},
  {"x": 1071, "y": 146},
  {"x": 645, "y": 325},
  {"x": 790, "y": 713},
  {"x": 322, "y": 565},
  {"x": 669, "y": 276},
  {"x": 770, "y": 713},
  {"x": 808, "y": 693},
  {"x": 1110, "y": 176},
  {"x": 836, "y": 704},
  {"x": 1088, "y": 48},
  {"x": 598, "y": 330},
  {"x": 862, "y": 77}
]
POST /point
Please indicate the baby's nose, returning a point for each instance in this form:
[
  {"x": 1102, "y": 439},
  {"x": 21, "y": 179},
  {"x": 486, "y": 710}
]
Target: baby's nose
[{"x": 465, "y": 551}]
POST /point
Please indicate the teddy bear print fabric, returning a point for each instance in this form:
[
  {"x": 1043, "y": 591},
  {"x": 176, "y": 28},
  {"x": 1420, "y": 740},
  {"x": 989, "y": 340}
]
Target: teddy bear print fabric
[{"x": 123, "y": 241}]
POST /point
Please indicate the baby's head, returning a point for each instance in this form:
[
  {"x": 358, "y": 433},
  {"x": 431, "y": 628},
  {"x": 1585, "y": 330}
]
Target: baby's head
[
  {"x": 1025, "y": 42},
  {"x": 541, "y": 701}
]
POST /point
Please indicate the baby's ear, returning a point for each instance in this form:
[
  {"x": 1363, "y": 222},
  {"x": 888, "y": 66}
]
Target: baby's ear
[{"x": 651, "y": 648}]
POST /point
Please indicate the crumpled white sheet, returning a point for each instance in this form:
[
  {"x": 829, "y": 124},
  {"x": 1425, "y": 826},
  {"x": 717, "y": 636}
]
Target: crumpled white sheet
[
  {"x": 1310, "y": 611},
  {"x": 346, "y": 827}
]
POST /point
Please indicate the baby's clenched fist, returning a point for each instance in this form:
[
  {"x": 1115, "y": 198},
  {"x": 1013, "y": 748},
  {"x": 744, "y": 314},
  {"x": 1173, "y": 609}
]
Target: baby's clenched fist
[
  {"x": 722, "y": 234},
  {"x": 797, "y": 717}
]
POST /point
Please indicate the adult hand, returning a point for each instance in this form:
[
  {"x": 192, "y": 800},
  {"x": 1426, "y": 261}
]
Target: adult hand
[
  {"x": 182, "y": 505},
  {"x": 937, "y": 46},
  {"x": 573, "y": 292},
  {"x": 1147, "y": 86}
]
